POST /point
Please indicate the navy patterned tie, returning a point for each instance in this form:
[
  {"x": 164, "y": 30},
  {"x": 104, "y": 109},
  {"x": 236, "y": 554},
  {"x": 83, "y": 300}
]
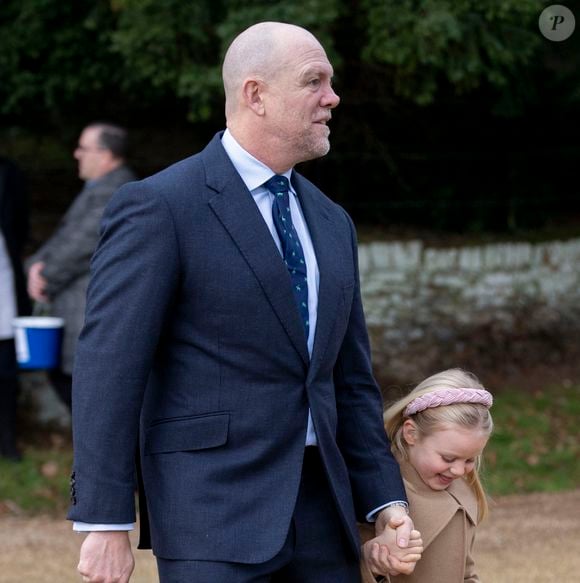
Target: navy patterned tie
[{"x": 291, "y": 248}]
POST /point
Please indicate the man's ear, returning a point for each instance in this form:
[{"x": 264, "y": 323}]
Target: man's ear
[
  {"x": 410, "y": 432},
  {"x": 252, "y": 92}
]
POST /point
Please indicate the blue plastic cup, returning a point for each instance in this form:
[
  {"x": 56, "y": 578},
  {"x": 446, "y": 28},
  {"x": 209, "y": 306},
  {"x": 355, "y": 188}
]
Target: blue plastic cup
[{"x": 38, "y": 341}]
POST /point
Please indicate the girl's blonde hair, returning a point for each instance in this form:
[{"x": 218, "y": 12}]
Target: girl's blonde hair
[{"x": 428, "y": 421}]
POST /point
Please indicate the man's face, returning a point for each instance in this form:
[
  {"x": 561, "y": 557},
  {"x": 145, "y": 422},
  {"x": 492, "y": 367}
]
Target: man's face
[
  {"x": 91, "y": 156},
  {"x": 298, "y": 101}
]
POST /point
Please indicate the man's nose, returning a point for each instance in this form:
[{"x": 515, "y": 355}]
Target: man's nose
[{"x": 330, "y": 99}]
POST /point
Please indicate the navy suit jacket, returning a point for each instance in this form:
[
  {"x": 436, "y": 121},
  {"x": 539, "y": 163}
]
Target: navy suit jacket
[{"x": 193, "y": 334}]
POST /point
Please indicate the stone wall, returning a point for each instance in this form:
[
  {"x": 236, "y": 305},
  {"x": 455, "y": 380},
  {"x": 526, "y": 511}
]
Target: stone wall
[
  {"x": 429, "y": 308},
  {"x": 485, "y": 308}
]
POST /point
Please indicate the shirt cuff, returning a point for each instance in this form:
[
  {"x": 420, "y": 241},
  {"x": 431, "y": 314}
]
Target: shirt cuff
[
  {"x": 88, "y": 527},
  {"x": 372, "y": 515}
]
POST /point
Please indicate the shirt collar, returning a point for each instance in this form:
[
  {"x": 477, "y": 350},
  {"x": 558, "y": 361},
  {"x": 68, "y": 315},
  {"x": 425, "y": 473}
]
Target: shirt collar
[{"x": 253, "y": 172}]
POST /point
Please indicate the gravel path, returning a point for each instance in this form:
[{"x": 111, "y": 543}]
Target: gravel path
[{"x": 528, "y": 539}]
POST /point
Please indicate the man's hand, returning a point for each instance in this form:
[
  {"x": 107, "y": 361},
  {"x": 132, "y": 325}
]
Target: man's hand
[
  {"x": 106, "y": 557},
  {"x": 384, "y": 557},
  {"x": 37, "y": 283}
]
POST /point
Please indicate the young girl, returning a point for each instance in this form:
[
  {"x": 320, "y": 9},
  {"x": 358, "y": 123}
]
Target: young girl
[{"x": 437, "y": 434}]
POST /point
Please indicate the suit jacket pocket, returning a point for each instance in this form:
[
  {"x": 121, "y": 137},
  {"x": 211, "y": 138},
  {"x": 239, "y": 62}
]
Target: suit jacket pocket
[{"x": 187, "y": 433}]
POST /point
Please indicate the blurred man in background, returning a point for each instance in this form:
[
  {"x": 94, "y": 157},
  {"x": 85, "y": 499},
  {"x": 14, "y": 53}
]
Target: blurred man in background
[{"x": 58, "y": 273}]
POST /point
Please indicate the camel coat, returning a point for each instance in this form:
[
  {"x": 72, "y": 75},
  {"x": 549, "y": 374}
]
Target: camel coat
[{"x": 447, "y": 521}]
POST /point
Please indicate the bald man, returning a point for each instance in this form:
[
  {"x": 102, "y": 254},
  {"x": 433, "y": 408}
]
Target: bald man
[{"x": 225, "y": 339}]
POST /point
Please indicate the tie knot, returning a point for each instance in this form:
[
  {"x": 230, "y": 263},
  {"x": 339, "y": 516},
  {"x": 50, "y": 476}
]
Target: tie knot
[{"x": 277, "y": 184}]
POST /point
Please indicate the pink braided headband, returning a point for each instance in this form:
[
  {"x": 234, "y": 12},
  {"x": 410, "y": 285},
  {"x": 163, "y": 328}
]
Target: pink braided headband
[{"x": 442, "y": 397}]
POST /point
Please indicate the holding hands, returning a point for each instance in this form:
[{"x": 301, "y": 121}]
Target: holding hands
[{"x": 396, "y": 547}]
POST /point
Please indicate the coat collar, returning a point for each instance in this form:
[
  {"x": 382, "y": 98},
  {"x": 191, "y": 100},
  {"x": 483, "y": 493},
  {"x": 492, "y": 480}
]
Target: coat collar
[{"x": 432, "y": 510}]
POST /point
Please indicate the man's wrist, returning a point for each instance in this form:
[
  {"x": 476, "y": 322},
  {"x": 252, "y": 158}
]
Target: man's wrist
[
  {"x": 90, "y": 527},
  {"x": 401, "y": 504},
  {"x": 397, "y": 509},
  {"x": 373, "y": 514}
]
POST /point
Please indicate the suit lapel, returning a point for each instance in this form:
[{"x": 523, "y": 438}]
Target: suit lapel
[
  {"x": 236, "y": 210},
  {"x": 323, "y": 233}
]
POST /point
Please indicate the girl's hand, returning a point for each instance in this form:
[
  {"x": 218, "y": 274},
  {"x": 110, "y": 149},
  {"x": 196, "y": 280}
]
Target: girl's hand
[{"x": 384, "y": 557}]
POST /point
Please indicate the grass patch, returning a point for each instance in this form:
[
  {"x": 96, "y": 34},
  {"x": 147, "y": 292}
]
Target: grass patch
[
  {"x": 40, "y": 482},
  {"x": 535, "y": 445}
]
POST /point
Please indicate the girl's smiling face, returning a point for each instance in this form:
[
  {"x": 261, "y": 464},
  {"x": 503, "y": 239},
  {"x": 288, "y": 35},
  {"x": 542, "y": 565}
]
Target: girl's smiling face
[{"x": 446, "y": 454}]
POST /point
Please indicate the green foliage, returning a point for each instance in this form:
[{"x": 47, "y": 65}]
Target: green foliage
[
  {"x": 447, "y": 107},
  {"x": 169, "y": 47},
  {"x": 318, "y": 16},
  {"x": 178, "y": 47},
  {"x": 465, "y": 43},
  {"x": 47, "y": 53},
  {"x": 54, "y": 54},
  {"x": 535, "y": 446}
]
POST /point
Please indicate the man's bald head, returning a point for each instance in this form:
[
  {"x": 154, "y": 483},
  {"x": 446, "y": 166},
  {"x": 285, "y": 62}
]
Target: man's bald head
[
  {"x": 278, "y": 83},
  {"x": 258, "y": 52}
]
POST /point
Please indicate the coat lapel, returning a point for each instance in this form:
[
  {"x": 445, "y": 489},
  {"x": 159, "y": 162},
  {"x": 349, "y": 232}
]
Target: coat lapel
[
  {"x": 236, "y": 210},
  {"x": 432, "y": 510},
  {"x": 323, "y": 233}
]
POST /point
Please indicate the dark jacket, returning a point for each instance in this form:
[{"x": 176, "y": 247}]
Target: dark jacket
[{"x": 192, "y": 326}]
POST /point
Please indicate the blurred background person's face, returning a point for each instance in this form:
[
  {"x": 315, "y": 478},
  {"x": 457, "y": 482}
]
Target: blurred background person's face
[{"x": 92, "y": 157}]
